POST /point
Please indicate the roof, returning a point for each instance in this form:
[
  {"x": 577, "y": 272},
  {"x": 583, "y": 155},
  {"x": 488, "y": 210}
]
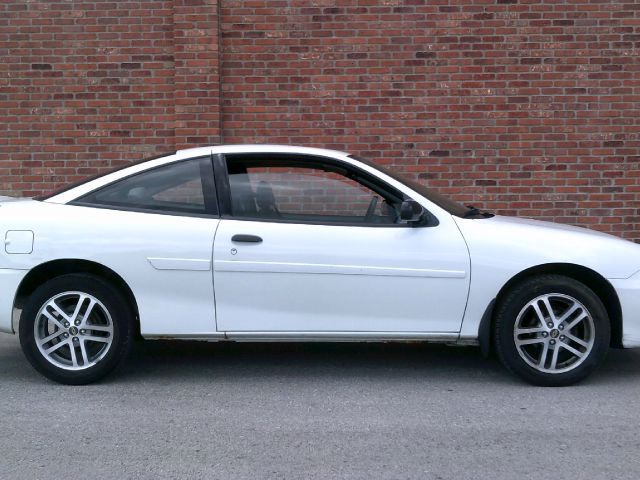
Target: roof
[
  {"x": 258, "y": 148},
  {"x": 74, "y": 191}
]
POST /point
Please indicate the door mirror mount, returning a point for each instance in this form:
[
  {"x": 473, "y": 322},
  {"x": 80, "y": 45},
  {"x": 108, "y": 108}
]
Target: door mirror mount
[{"x": 411, "y": 212}]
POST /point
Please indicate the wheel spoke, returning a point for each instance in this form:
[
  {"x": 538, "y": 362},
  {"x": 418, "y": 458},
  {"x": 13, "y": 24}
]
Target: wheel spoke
[
  {"x": 554, "y": 358},
  {"x": 93, "y": 338},
  {"x": 52, "y": 303},
  {"x": 575, "y": 351},
  {"x": 539, "y": 313},
  {"x": 576, "y": 321},
  {"x": 83, "y": 350},
  {"x": 87, "y": 312},
  {"x": 74, "y": 359},
  {"x": 547, "y": 304},
  {"x": 569, "y": 312},
  {"x": 529, "y": 341},
  {"x": 525, "y": 331},
  {"x": 55, "y": 347},
  {"x": 100, "y": 328},
  {"x": 48, "y": 338},
  {"x": 52, "y": 319},
  {"x": 543, "y": 357},
  {"x": 579, "y": 341},
  {"x": 76, "y": 311}
]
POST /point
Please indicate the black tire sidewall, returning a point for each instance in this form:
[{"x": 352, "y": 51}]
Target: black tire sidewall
[
  {"x": 512, "y": 303},
  {"x": 113, "y": 301}
]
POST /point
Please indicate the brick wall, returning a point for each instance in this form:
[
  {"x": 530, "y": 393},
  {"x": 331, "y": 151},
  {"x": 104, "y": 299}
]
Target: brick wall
[
  {"x": 88, "y": 85},
  {"x": 84, "y": 86},
  {"x": 526, "y": 107}
]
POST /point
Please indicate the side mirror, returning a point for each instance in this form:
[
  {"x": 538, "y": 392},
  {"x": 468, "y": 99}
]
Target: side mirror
[{"x": 411, "y": 211}]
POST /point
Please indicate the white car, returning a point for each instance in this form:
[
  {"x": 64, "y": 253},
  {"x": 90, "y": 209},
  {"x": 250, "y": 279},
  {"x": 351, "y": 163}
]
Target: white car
[{"x": 274, "y": 243}]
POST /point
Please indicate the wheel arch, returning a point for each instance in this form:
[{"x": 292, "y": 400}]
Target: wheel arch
[
  {"x": 54, "y": 268},
  {"x": 592, "y": 279}
]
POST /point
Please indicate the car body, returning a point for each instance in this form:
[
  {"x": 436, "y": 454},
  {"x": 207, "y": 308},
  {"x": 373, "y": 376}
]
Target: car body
[{"x": 281, "y": 243}]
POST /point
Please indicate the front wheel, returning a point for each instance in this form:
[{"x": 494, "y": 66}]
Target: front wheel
[
  {"x": 551, "y": 330},
  {"x": 76, "y": 328}
]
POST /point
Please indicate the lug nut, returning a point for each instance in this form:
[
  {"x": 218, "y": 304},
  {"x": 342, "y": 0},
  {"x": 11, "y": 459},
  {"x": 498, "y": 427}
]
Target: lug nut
[
  {"x": 77, "y": 322},
  {"x": 75, "y": 339},
  {"x": 552, "y": 342},
  {"x": 561, "y": 327},
  {"x": 83, "y": 331},
  {"x": 66, "y": 335},
  {"x": 550, "y": 325},
  {"x": 66, "y": 324},
  {"x": 545, "y": 334},
  {"x": 561, "y": 337}
]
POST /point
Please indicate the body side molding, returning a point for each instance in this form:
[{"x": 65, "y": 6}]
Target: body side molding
[
  {"x": 313, "y": 268},
  {"x": 160, "y": 263}
]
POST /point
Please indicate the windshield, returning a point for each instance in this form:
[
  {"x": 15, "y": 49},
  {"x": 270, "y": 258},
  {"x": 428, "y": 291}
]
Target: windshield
[{"x": 443, "y": 202}]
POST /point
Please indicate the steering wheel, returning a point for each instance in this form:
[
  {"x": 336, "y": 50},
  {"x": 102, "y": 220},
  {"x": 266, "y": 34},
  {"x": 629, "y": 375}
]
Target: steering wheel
[{"x": 371, "y": 209}]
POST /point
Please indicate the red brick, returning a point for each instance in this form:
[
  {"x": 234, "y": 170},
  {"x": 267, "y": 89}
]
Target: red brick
[{"x": 526, "y": 108}]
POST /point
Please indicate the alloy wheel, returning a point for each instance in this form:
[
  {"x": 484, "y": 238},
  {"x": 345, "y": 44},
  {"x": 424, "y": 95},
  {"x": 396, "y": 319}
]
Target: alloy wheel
[
  {"x": 73, "y": 330},
  {"x": 554, "y": 333}
]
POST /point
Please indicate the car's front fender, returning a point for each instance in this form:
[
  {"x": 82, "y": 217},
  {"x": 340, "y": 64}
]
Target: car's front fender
[{"x": 501, "y": 248}]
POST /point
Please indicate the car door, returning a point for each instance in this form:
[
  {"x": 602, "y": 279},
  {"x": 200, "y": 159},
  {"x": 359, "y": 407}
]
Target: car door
[{"x": 310, "y": 244}]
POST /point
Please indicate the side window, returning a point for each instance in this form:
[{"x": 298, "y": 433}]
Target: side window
[
  {"x": 181, "y": 187},
  {"x": 291, "y": 190}
]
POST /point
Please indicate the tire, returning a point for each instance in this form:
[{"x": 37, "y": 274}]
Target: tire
[
  {"x": 65, "y": 344},
  {"x": 564, "y": 348}
]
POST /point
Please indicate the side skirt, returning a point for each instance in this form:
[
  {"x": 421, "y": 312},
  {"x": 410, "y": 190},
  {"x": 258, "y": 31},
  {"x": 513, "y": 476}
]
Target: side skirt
[{"x": 445, "y": 337}]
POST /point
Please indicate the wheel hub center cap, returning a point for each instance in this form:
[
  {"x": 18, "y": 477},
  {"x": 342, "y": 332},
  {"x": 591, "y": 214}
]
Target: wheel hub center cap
[
  {"x": 73, "y": 331},
  {"x": 554, "y": 333}
]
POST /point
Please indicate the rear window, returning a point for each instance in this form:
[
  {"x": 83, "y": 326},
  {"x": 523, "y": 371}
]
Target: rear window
[
  {"x": 72, "y": 185},
  {"x": 183, "y": 187}
]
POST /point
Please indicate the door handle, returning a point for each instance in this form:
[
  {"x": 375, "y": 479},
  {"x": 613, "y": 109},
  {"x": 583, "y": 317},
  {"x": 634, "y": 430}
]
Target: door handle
[{"x": 243, "y": 238}]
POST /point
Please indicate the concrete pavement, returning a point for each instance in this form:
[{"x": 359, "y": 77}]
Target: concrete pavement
[{"x": 291, "y": 411}]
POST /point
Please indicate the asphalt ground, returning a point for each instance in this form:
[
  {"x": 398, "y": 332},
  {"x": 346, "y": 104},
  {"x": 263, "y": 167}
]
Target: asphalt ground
[{"x": 319, "y": 411}]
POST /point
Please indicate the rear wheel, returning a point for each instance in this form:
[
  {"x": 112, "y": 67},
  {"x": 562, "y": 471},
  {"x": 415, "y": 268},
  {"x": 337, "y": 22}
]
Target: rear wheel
[
  {"x": 76, "y": 328},
  {"x": 551, "y": 330}
]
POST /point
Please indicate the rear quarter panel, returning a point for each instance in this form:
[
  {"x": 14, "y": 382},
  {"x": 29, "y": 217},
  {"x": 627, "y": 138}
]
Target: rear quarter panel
[{"x": 170, "y": 300}]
